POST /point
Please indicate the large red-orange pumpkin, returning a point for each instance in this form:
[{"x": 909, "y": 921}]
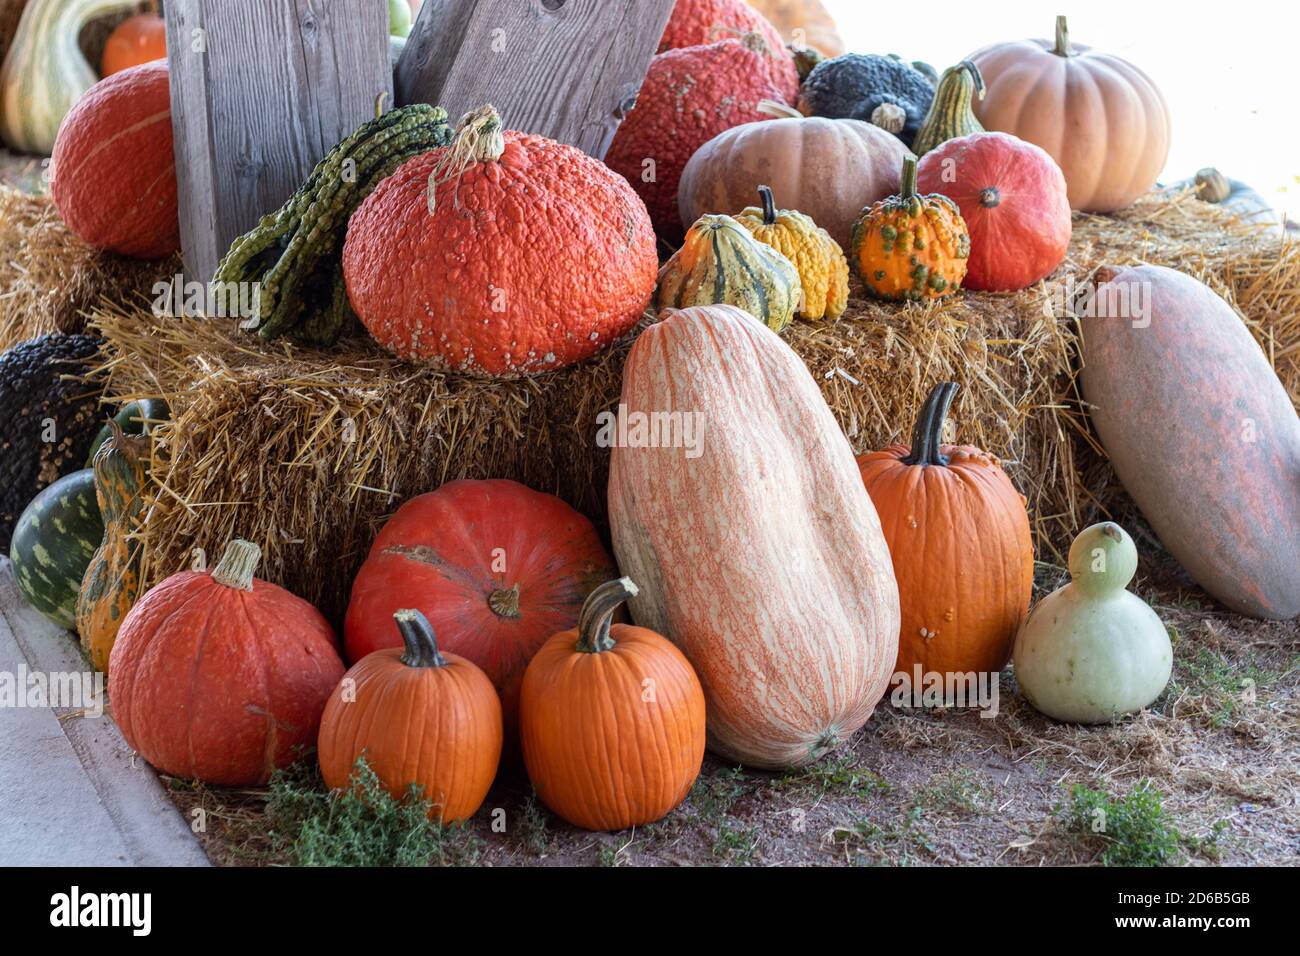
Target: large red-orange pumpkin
[
  {"x": 611, "y": 719},
  {"x": 700, "y": 22},
  {"x": 418, "y": 716},
  {"x": 1101, "y": 118},
  {"x": 221, "y": 677},
  {"x": 1013, "y": 198},
  {"x": 114, "y": 178},
  {"x": 135, "y": 40},
  {"x": 958, "y": 534},
  {"x": 688, "y": 97},
  {"x": 496, "y": 567},
  {"x": 530, "y": 255}
]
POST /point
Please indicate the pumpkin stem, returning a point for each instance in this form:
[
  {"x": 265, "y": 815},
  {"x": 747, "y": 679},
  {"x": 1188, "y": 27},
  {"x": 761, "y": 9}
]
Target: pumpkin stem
[
  {"x": 417, "y": 636},
  {"x": 890, "y": 117},
  {"x": 593, "y": 620},
  {"x": 990, "y": 197},
  {"x": 909, "y": 178},
  {"x": 1212, "y": 185},
  {"x": 769, "y": 205},
  {"x": 479, "y": 139},
  {"x": 927, "y": 435},
  {"x": 976, "y": 76},
  {"x": 504, "y": 602},
  {"x": 237, "y": 564},
  {"x": 1062, "y": 47},
  {"x": 778, "y": 110}
]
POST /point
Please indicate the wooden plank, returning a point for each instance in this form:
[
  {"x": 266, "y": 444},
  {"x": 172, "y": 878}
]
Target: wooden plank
[
  {"x": 567, "y": 69},
  {"x": 260, "y": 91}
]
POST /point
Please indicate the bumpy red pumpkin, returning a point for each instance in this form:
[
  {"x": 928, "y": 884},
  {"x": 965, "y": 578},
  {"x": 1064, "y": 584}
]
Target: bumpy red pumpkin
[
  {"x": 689, "y": 96},
  {"x": 114, "y": 178},
  {"x": 503, "y": 254},
  {"x": 221, "y": 677},
  {"x": 496, "y": 567},
  {"x": 697, "y": 22},
  {"x": 1014, "y": 200}
]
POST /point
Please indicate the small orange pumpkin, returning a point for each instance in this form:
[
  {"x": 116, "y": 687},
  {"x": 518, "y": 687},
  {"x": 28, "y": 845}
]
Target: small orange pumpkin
[
  {"x": 612, "y": 719},
  {"x": 138, "y": 39},
  {"x": 418, "y": 717}
]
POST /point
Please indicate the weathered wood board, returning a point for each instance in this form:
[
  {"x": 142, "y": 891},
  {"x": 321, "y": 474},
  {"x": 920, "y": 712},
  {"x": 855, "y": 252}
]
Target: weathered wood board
[
  {"x": 567, "y": 69},
  {"x": 260, "y": 91}
]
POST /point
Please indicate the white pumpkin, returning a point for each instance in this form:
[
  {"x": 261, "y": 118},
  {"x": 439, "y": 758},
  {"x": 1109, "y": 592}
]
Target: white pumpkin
[{"x": 1091, "y": 651}]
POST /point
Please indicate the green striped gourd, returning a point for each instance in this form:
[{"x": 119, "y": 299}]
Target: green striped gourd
[
  {"x": 950, "y": 113},
  {"x": 295, "y": 252},
  {"x": 721, "y": 263},
  {"x": 53, "y": 542}
]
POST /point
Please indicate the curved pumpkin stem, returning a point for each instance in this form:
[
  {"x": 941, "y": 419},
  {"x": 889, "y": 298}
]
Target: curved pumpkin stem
[
  {"x": 237, "y": 564},
  {"x": 769, "y": 205},
  {"x": 976, "y": 76},
  {"x": 417, "y": 636},
  {"x": 1062, "y": 47},
  {"x": 909, "y": 178},
  {"x": 927, "y": 435},
  {"x": 597, "y": 610},
  {"x": 778, "y": 110}
]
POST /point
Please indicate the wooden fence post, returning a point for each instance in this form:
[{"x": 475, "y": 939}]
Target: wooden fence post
[
  {"x": 567, "y": 69},
  {"x": 260, "y": 91}
]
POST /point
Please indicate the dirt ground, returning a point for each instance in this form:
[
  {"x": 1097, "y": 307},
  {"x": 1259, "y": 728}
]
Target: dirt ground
[{"x": 1222, "y": 747}]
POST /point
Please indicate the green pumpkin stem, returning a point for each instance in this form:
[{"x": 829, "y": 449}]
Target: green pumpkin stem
[
  {"x": 976, "y": 76},
  {"x": 1062, "y": 47},
  {"x": 927, "y": 435},
  {"x": 417, "y": 637},
  {"x": 909, "y": 178},
  {"x": 237, "y": 564},
  {"x": 769, "y": 205},
  {"x": 597, "y": 610}
]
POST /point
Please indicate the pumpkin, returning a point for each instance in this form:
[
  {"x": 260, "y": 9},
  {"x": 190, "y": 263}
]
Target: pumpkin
[
  {"x": 823, "y": 270},
  {"x": 611, "y": 719},
  {"x": 112, "y": 580},
  {"x": 909, "y": 246},
  {"x": 761, "y": 557},
  {"x": 1213, "y": 187},
  {"x": 702, "y": 22},
  {"x": 1100, "y": 117},
  {"x": 958, "y": 533},
  {"x": 1092, "y": 651},
  {"x": 135, "y": 40},
  {"x": 688, "y": 97},
  {"x": 419, "y": 716},
  {"x": 496, "y": 567},
  {"x": 44, "y": 73},
  {"x": 221, "y": 677},
  {"x": 568, "y": 267},
  {"x": 53, "y": 542},
  {"x": 950, "y": 114},
  {"x": 720, "y": 262},
  {"x": 805, "y": 21},
  {"x": 857, "y": 85},
  {"x": 1199, "y": 431},
  {"x": 128, "y": 205},
  {"x": 827, "y": 169},
  {"x": 1013, "y": 200}
]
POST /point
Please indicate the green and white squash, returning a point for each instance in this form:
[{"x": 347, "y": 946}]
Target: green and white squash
[
  {"x": 45, "y": 72},
  {"x": 951, "y": 114},
  {"x": 1091, "y": 651},
  {"x": 721, "y": 263},
  {"x": 53, "y": 543}
]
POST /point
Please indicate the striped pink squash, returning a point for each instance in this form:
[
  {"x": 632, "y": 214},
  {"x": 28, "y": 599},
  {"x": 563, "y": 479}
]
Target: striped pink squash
[{"x": 756, "y": 547}]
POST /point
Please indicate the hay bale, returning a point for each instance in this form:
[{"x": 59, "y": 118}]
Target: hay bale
[{"x": 307, "y": 451}]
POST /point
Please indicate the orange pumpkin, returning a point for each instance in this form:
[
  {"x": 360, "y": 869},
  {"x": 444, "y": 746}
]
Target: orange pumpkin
[
  {"x": 612, "y": 719},
  {"x": 803, "y": 22},
  {"x": 958, "y": 534},
  {"x": 418, "y": 716},
  {"x": 135, "y": 40},
  {"x": 1101, "y": 118}
]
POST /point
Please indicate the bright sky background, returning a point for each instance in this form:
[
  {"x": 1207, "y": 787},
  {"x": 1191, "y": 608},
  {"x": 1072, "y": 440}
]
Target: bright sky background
[{"x": 1227, "y": 70}]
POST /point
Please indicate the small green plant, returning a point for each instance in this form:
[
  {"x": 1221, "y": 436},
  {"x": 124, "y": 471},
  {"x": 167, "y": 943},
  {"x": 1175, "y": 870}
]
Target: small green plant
[
  {"x": 712, "y": 795},
  {"x": 1132, "y": 830},
  {"x": 735, "y": 845},
  {"x": 960, "y": 790},
  {"x": 530, "y": 831},
  {"x": 897, "y": 844},
  {"x": 838, "y": 773},
  {"x": 1224, "y": 685},
  {"x": 363, "y": 826}
]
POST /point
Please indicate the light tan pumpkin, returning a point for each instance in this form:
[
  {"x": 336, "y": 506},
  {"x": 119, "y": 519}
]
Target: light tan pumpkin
[
  {"x": 761, "y": 556},
  {"x": 806, "y": 22},
  {"x": 828, "y": 169}
]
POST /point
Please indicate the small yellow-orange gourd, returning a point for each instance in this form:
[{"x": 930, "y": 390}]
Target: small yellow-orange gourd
[{"x": 819, "y": 260}]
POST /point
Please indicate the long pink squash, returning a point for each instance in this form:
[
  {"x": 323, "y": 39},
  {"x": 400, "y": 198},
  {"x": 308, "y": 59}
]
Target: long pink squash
[
  {"x": 761, "y": 556},
  {"x": 1201, "y": 434}
]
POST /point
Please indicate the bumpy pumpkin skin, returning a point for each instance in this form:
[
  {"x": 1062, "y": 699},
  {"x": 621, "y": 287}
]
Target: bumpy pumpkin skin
[
  {"x": 114, "y": 177},
  {"x": 455, "y": 554},
  {"x": 910, "y": 247},
  {"x": 823, "y": 270},
  {"x": 1201, "y": 433},
  {"x": 216, "y": 683},
  {"x": 688, "y": 97},
  {"x": 612, "y": 723},
  {"x": 531, "y": 262},
  {"x": 701, "y": 22},
  {"x": 1013, "y": 200},
  {"x": 432, "y": 722},
  {"x": 958, "y": 534},
  {"x": 721, "y": 263}
]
